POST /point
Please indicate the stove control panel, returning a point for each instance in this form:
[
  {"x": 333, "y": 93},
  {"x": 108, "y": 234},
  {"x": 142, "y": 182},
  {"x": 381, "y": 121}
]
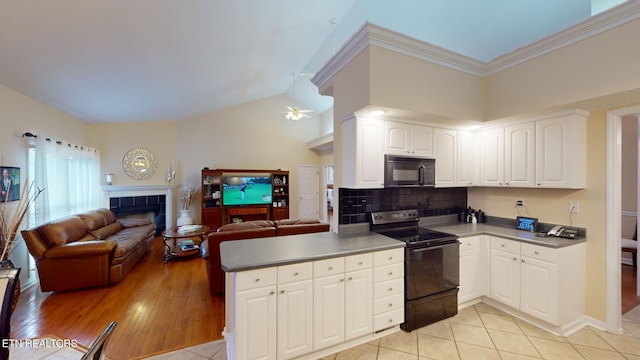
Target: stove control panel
[{"x": 395, "y": 216}]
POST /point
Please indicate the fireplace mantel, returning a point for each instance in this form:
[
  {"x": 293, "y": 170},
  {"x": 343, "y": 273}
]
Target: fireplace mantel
[{"x": 116, "y": 191}]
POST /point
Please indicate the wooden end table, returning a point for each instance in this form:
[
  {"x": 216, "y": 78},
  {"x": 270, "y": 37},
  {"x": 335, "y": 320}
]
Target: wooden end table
[{"x": 171, "y": 237}]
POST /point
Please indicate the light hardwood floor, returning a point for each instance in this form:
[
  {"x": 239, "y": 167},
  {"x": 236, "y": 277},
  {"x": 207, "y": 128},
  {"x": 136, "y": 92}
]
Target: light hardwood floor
[{"x": 159, "y": 307}]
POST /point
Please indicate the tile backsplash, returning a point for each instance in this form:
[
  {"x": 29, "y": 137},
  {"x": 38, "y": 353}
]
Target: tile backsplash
[{"x": 357, "y": 204}]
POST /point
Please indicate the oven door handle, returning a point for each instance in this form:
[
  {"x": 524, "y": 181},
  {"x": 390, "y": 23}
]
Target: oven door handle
[{"x": 457, "y": 243}]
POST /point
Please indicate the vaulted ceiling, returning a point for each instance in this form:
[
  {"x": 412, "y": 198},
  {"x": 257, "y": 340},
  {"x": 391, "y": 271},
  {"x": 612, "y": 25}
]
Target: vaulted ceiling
[{"x": 118, "y": 60}]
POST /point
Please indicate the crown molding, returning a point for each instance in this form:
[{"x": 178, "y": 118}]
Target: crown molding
[
  {"x": 587, "y": 28},
  {"x": 370, "y": 34}
]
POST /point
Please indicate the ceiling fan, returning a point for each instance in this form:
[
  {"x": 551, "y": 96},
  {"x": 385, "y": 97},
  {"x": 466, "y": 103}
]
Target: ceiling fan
[{"x": 294, "y": 113}]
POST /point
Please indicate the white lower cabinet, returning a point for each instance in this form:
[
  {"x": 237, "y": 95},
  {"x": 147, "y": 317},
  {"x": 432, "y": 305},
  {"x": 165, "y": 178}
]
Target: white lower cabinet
[
  {"x": 388, "y": 294},
  {"x": 255, "y": 315},
  {"x": 472, "y": 271},
  {"x": 328, "y": 303},
  {"x": 292, "y": 311},
  {"x": 295, "y": 310},
  {"x": 546, "y": 283}
]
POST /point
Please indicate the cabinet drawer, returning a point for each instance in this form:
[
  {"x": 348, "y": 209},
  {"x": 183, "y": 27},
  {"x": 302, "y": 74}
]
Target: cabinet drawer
[
  {"x": 505, "y": 245},
  {"x": 388, "y": 319},
  {"x": 388, "y": 288},
  {"x": 384, "y": 273},
  {"x": 295, "y": 272},
  {"x": 540, "y": 252},
  {"x": 359, "y": 262},
  {"x": 253, "y": 279},
  {"x": 388, "y": 303},
  {"x": 328, "y": 267},
  {"x": 469, "y": 243},
  {"x": 386, "y": 257}
]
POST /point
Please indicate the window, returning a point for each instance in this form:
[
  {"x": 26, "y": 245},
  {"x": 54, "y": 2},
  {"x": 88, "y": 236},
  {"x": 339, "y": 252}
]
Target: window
[{"x": 70, "y": 175}]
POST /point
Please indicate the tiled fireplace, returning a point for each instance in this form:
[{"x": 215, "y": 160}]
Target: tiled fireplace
[{"x": 154, "y": 200}]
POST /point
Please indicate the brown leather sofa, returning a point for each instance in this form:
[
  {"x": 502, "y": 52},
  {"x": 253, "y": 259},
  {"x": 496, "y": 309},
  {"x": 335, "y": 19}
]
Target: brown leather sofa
[
  {"x": 88, "y": 249},
  {"x": 250, "y": 230}
]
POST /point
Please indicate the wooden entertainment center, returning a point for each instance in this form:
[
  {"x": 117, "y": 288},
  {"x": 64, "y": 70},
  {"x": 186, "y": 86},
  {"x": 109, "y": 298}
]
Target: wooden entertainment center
[{"x": 216, "y": 211}]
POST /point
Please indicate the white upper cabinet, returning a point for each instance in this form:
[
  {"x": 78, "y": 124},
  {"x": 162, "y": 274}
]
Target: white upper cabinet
[
  {"x": 466, "y": 164},
  {"x": 408, "y": 139},
  {"x": 550, "y": 152},
  {"x": 445, "y": 143},
  {"x": 362, "y": 153},
  {"x": 561, "y": 151},
  {"x": 519, "y": 155},
  {"x": 491, "y": 160}
]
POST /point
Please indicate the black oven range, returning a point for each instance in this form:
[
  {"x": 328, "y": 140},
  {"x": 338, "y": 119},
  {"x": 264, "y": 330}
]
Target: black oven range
[{"x": 431, "y": 265}]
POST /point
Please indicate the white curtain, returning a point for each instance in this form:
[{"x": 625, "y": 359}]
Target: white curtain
[{"x": 69, "y": 175}]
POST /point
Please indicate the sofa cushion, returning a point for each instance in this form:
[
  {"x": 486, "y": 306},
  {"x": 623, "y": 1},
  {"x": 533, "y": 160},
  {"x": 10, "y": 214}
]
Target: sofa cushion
[
  {"x": 246, "y": 225},
  {"x": 128, "y": 239},
  {"x": 106, "y": 231},
  {"x": 133, "y": 222},
  {"x": 297, "y": 221},
  {"x": 62, "y": 231},
  {"x": 93, "y": 219},
  {"x": 108, "y": 215}
]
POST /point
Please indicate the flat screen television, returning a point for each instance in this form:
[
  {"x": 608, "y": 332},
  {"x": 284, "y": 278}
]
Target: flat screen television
[{"x": 246, "y": 189}]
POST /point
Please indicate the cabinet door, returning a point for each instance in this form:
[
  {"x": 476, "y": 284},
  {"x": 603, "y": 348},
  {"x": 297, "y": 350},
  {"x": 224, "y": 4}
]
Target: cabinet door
[
  {"x": 561, "y": 152},
  {"x": 466, "y": 161},
  {"x": 519, "y": 161},
  {"x": 362, "y": 152},
  {"x": 539, "y": 289},
  {"x": 358, "y": 304},
  {"x": 256, "y": 323},
  {"x": 328, "y": 311},
  {"x": 396, "y": 138},
  {"x": 445, "y": 143},
  {"x": 505, "y": 277},
  {"x": 421, "y": 140},
  {"x": 491, "y": 161},
  {"x": 295, "y": 319},
  {"x": 212, "y": 218},
  {"x": 471, "y": 274}
]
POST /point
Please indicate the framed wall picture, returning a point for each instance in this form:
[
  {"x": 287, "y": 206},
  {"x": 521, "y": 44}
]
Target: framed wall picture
[{"x": 10, "y": 183}]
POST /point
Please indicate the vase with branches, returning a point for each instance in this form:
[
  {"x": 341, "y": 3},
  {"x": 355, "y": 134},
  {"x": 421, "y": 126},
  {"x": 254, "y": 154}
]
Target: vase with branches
[
  {"x": 186, "y": 196},
  {"x": 11, "y": 216}
]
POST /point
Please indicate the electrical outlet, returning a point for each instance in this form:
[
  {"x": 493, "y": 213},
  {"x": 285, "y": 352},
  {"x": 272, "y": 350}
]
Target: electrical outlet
[
  {"x": 519, "y": 202},
  {"x": 574, "y": 207}
]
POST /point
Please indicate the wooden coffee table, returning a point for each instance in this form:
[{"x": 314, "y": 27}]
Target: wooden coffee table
[{"x": 172, "y": 241}]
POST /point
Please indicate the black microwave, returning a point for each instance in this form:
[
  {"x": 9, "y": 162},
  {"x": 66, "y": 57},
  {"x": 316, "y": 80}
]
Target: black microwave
[{"x": 402, "y": 171}]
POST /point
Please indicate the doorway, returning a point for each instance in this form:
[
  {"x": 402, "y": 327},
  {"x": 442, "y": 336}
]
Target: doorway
[
  {"x": 327, "y": 186},
  {"x": 308, "y": 185},
  {"x": 614, "y": 217}
]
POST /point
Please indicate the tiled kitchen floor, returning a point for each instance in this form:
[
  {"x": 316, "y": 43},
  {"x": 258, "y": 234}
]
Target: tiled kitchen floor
[{"x": 477, "y": 332}]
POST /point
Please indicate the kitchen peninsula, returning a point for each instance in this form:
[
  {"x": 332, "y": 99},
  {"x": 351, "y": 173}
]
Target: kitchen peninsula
[{"x": 310, "y": 295}]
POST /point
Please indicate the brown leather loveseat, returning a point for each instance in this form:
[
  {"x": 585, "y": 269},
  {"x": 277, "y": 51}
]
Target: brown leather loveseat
[
  {"x": 250, "y": 230},
  {"x": 88, "y": 249}
]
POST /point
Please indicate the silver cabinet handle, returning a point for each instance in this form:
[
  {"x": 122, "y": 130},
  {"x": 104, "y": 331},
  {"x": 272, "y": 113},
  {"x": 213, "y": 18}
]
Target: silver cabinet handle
[
  {"x": 257, "y": 280},
  {"x": 330, "y": 268},
  {"x": 281, "y": 291},
  {"x": 390, "y": 273},
  {"x": 295, "y": 274},
  {"x": 350, "y": 278},
  {"x": 272, "y": 292}
]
